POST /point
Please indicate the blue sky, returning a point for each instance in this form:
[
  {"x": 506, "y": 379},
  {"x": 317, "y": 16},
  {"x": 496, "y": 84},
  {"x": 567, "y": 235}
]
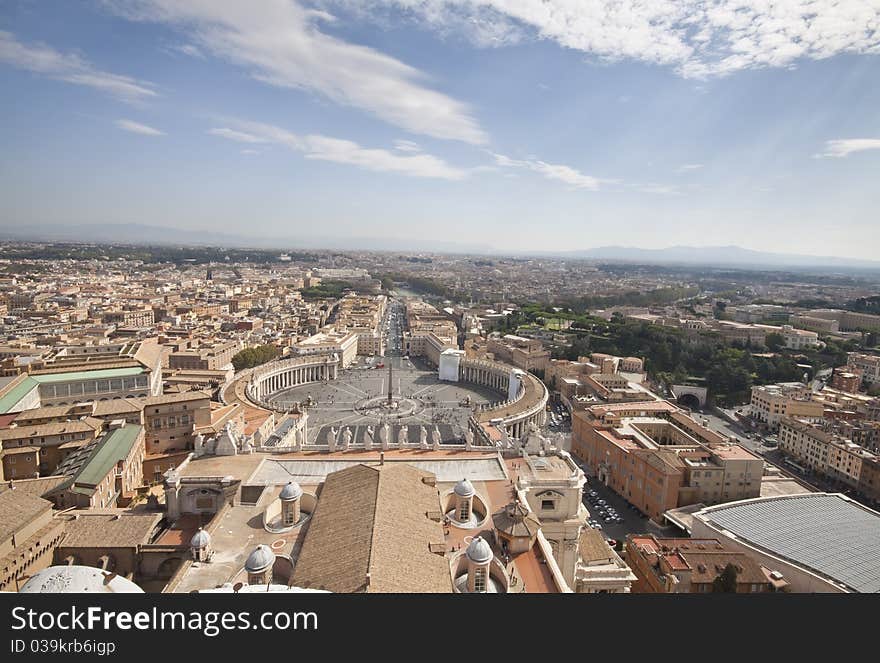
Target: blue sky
[{"x": 516, "y": 124}]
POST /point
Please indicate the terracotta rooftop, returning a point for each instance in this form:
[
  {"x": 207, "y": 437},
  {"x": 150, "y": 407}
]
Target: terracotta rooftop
[{"x": 371, "y": 532}]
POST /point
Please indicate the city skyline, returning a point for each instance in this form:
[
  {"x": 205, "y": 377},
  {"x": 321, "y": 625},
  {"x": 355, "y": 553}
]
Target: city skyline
[{"x": 520, "y": 126}]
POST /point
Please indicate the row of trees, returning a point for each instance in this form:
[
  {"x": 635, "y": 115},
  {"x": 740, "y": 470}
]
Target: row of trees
[
  {"x": 250, "y": 357},
  {"x": 728, "y": 370}
]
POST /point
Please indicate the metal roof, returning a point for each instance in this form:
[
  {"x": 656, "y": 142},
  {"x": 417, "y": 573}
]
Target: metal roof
[
  {"x": 19, "y": 391},
  {"x": 51, "y": 378},
  {"x": 112, "y": 448},
  {"x": 827, "y": 533}
]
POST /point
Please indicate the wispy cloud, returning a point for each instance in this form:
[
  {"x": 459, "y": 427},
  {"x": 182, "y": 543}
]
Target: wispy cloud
[
  {"x": 659, "y": 189},
  {"x": 138, "y": 128},
  {"x": 566, "y": 174},
  {"x": 406, "y": 146},
  {"x": 844, "y": 147},
  {"x": 338, "y": 150},
  {"x": 697, "y": 38},
  {"x": 688, "y": 167},
  {"x": 279, "y": 42},
  {"x": 69, "y": 67},
  {"x": 240, "y": 136},
  {"x": 189, "y": 49}
]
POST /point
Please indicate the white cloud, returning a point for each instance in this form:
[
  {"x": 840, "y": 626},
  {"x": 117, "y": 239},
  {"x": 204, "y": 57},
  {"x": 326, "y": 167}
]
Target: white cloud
[
  {"x": 843, "y": 148},
  {"x": 559, "y": 172},
  {"x": 69, "y": 67},
  {"x": 406, "y": 146},
  {"x": 699, "y": 38},
  {"x": 240, "y": 136},
  {"x": 190, "y": 50},
  {"x": 688, "y": 167},
  {"x": 337, "y": 150},
  {"x": 279, "y": 42},
  {"x": 138, "y": 128}
]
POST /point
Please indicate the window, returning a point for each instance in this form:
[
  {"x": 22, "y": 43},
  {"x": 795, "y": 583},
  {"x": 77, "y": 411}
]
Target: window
[
  {"x": 479, "y": 580},
  {"x": 548, "y": 505}
]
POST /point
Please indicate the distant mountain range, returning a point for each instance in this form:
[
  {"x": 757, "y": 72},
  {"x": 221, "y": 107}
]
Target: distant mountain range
[
  {"x": 732, "y": 256},
  {"x": 140, "y": 234}
]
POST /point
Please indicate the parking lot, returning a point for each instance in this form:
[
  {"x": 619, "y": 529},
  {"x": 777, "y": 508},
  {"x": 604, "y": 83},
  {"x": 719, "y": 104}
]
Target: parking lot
[
  {"x": 558, "y": 418},
  {"x": 633, "y": 522}
]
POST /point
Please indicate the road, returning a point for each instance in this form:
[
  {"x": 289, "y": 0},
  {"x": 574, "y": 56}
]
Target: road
[{"x": 633, "y": 521}]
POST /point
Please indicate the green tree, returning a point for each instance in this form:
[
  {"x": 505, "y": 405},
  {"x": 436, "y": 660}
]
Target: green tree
[
  {"x": 774, "y": 342},
  {"x": 725, "y": 581},
  {"x": 250, "y": 357}
]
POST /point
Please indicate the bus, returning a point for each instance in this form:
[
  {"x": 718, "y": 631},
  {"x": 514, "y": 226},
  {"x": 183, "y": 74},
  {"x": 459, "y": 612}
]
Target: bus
[{"x": 796, "y": 466}]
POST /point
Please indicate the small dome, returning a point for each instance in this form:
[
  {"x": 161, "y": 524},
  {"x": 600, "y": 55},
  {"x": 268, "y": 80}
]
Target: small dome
[
  {"x": 291, "y": 491},
  {"x": 78, "y": 580},
  {"x": 464, "y": 488},
  {"x": 260, "y": 559},
  {"x": 479, "y": 551},
  {"x": 201, "y": 539}
]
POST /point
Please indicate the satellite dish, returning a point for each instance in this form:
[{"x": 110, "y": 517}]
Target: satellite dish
[{"x": 237, "y": 586}]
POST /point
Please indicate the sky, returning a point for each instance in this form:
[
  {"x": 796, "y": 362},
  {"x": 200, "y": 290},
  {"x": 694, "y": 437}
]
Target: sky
[{"x": 519, "y": 125}]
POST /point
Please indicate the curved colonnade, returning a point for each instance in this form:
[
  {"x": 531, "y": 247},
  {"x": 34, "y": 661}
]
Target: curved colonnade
[
  {"x": 282, "y": 374},
  {"x": 527, "y": 406}
]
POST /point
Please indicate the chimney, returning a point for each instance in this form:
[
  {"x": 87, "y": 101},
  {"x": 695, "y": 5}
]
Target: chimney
[{"x": 381, "y": 458}]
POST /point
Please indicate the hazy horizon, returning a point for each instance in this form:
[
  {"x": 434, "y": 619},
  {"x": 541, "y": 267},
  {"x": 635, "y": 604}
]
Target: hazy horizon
[{"x": 521, "y": 126}]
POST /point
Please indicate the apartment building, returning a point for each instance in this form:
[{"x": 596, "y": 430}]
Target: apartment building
[
  {"x": 691, "y": 566},
  {"x": 524, "y": 353},
  {"x": 770, "y": 403},
  {"x": 866, "y": 365},
  {"x": 658, "y": 458},
  {"x": 825, "y": 451},
  {"x": 170, "y": 420},
  {"x": 31, "y": 451},
  {"x": 849, "y": 320},
  {"x": 204, "y": 356},
  {"x": 130, "y": 318}
]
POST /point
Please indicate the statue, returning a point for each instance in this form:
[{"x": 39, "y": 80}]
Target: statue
[
  {"x": 423, "y": 437},
  {"x": 384, "y": 435},
  {"x": 331, "y": 438},
  {"x": 346, "y": 438},
  {"x": 298, "y": 439},
  {"x": 368, "y": 438},
  {"x": 436, "y": 439},
  {"x": 402, "y": 436},
  {"x": 468, "y": 440}
]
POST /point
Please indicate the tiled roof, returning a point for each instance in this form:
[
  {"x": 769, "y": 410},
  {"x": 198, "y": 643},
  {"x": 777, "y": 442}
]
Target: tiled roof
[
  {"x": 17, "y": 509},
  {"x": 371, "y": 533}
]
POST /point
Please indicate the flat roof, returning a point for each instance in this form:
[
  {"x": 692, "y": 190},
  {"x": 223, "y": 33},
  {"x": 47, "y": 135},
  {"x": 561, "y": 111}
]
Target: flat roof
[
  {"x": 312, "y": 471},
  {"x": 825, "y": 532},
  {"x": 87, "y": 375}
]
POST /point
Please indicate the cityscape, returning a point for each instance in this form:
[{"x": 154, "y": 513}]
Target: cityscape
[
  {"x": 317, "y": 297},
  {"x": 205, "y": 420}
]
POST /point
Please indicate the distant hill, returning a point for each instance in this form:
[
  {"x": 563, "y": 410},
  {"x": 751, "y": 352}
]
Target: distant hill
[
  {"x": 719, "y": 255},
  {"x": 144, "y": 235}
]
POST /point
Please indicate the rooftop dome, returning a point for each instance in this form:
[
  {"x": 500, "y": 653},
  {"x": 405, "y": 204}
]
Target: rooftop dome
[
  {"x": 78, "y": 580},
  {"x": 260, "y": 559},
  {"x": 479, "y": 551},
  {"x": 201, "y": 539},
  {"x": 291, "y": 491},
  {"x": 464, "y": 488}
]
